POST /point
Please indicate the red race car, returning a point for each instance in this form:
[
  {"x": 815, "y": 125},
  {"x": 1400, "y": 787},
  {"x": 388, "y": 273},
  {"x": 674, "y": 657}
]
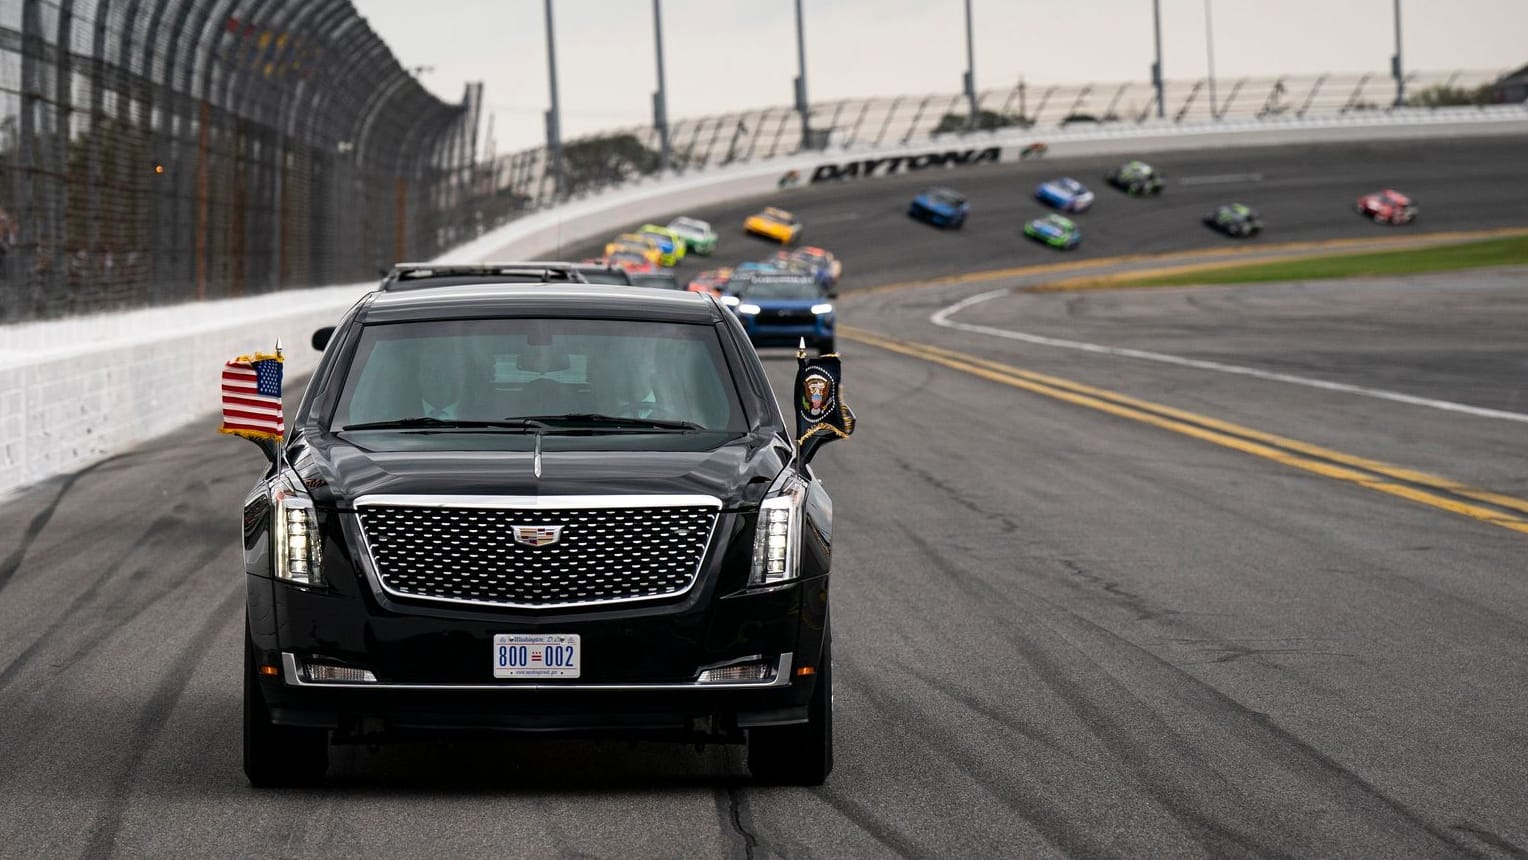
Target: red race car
[
  {"x": 632, "y": 262},
  {"x": 1387, "y": 207},
  {"x": 711, "y": 281}
]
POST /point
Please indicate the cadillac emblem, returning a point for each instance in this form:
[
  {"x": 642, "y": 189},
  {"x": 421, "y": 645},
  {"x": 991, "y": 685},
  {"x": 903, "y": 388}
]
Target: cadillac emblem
[{"x": 538, "y": 535}]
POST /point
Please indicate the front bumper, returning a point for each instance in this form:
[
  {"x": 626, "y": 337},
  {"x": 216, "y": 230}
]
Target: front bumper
[
  {"x": 688, "y": 710},
  {"x": 433, "y": 665}
]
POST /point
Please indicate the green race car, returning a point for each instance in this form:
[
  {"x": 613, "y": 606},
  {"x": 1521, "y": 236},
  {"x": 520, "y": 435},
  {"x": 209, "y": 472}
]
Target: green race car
[
  {"x": 1135, "y": 177},
  {"x": 698, "y": 235},
  {"x": 671, "y": 245},
  {"x": 1054, "y": 230}
]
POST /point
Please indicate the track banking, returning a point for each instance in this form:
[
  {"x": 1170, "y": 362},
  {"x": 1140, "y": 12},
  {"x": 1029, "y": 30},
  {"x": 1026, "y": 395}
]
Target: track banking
[{"x": 896, "y": 164}]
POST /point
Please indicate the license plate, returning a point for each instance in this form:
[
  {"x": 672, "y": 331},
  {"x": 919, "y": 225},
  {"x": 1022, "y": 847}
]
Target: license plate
[{"x": 540, "y": 655}]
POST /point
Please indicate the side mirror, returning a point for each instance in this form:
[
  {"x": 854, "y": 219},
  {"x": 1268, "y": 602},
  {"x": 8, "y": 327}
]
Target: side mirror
[{"x": 322, "y": 336}]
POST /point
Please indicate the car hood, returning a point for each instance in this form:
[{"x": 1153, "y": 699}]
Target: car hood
[{"x": 738, "y": 472}]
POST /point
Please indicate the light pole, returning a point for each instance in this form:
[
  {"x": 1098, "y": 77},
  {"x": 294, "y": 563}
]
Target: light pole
[
  {"x": 1156, "y": 67},
  {"x": 660, "y": 98},
  {"x": 970, "y": 71},
  {"x": 1209, "y": 47},
  {"x": 801, "y": 102},
  {"x": 1395, "y": 61},
  {"x": 553, "y": 116}
]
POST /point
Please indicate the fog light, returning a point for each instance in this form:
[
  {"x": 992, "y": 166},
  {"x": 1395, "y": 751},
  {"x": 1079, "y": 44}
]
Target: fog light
[
  {"x": 738, "y": 673},
  {"x": 326, "y": 673}
]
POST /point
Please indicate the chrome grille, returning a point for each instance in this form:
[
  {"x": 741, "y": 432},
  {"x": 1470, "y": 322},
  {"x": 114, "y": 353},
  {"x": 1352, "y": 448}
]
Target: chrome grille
[{"x": 468, "y": 553}]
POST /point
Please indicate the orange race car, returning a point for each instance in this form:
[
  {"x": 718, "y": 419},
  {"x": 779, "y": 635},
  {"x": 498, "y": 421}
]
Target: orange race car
[
  {"x": 635, "y": 243},
  {"x": 772, "y": 223}
]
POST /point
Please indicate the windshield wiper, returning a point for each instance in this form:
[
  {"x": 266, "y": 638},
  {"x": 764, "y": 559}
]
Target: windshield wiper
[
  {"x": 607, "y": 422},
  {"x": 423, "y": 422}
]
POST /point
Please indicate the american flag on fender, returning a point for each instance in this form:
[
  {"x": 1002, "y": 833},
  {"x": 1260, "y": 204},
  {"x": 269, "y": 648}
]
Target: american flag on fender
[{"x": 252, "y": 397}]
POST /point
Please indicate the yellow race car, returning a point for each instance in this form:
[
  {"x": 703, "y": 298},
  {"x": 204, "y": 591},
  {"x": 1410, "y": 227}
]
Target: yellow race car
[
  {"x": 772, "y": 223},
  {"x": 636, "y": 243}
]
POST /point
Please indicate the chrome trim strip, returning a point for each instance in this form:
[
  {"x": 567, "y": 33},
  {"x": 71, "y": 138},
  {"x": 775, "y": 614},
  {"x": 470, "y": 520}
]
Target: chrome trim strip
[
  {"x": 553, "y": 503},
  {"x": 535, "y": 503},
  {"x": 293, "y": 678}
]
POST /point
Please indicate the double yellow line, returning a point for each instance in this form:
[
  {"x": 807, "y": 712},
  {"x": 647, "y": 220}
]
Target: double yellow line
[{"x": 1420, "y": 487}]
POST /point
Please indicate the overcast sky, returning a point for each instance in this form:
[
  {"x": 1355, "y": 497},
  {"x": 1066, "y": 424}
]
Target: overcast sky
[{"x": 723, "y": 55}]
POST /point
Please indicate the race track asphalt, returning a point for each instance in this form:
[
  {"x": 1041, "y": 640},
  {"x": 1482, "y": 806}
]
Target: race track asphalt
[{"x": 1064, "y": 624}]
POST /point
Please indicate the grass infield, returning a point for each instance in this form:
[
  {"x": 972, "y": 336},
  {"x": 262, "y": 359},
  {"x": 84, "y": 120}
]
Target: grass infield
[{"x": 1509, "y": 251}]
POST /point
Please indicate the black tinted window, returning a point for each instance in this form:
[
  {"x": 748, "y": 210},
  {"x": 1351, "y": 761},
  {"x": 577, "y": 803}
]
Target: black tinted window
[{"x": 488, "y": 370}]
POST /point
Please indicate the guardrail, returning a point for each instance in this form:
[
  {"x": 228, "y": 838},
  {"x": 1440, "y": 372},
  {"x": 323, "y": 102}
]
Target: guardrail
[
  {"x": 156, "y": 151},
  {"x": 75, "y": 391}
]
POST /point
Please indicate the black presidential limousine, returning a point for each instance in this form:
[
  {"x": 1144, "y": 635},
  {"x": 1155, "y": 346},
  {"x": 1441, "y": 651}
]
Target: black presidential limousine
[{"x": 549, "y": 508}]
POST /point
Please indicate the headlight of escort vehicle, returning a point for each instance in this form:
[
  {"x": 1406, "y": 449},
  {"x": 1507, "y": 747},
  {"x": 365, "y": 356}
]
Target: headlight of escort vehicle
[
  {"x": 822, "y": 309},
  {"x": 777, "y": 536},
  {"x": 296, "y": 544},
  {"x": 749, "y": 309}
]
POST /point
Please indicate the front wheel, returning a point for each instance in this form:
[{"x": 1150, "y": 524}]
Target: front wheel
[
  {"x": 799, "y": 755},
  {"x": 276, "y": 756}
]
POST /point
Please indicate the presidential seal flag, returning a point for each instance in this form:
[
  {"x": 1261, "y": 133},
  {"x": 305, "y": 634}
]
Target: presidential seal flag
[
  {"x": 820, "y": 406},
  {"x": 252, "y": 397}
]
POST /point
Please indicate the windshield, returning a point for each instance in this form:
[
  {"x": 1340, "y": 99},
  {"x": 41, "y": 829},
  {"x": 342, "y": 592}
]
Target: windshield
[
  {"x": 779, "y": 288},
  {"x": 491, "y": 370},
  {"x": 687, "y": 225}
]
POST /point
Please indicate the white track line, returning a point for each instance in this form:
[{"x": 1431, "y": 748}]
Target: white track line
[{"x": 942, "y": 318}]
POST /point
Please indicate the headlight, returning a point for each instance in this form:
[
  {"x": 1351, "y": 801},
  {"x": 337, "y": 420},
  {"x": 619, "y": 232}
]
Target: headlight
[
  {"x": 821, "y": 309},
  {"x": 748, "y": 309},
  {"x": 777, "y": 536},
  {"x": 297, "y": 546},
  {"x": 731, "y": 301}
]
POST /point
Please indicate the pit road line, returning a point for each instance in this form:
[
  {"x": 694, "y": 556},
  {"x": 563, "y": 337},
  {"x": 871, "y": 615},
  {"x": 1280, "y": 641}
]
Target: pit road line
[
  {"x": 942, "y": 318},
  {"x": 1372, "y": 474}
]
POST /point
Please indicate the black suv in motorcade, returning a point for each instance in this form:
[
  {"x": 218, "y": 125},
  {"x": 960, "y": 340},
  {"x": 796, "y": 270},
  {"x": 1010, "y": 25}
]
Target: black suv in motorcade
[{"x": 556, "y": 508}]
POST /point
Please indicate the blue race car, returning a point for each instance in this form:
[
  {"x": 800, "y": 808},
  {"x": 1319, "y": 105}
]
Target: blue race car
[
  {"x": 941, "y": 207},
  {"x": 782, "y": 308},
  {"x": 1066, "y": 194}
]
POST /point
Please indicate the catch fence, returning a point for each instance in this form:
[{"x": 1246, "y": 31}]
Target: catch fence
[
  {"x": 155, "y": 151},
  {"x": 622, "y": 155}
]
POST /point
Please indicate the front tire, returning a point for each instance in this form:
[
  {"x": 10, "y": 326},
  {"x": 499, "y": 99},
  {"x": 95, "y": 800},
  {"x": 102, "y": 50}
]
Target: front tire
[
  {"x": 799, "y": 755},
  {"x": 276, "y": 756}
]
